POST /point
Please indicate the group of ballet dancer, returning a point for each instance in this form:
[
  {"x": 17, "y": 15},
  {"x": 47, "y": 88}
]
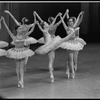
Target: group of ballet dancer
[{"x": 22, "y": 41}]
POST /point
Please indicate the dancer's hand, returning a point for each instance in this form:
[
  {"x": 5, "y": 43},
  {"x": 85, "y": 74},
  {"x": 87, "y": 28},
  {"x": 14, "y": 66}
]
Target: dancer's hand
[
  {"x": 34, "y": 12},
  {"x": 36, "y": 22},
  {"x": 6, "y": 11},
  {"x": 60, "y": 14},
  {"x": 67, "y": 10},
  {"x": 2, "y": 18},
  {"x": 82, "y": 12}
]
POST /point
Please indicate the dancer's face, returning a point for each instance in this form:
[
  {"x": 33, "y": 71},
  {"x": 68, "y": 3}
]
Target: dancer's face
[
  {"x": 22, "y": 29},
  {"x": 70, "y": 22}
]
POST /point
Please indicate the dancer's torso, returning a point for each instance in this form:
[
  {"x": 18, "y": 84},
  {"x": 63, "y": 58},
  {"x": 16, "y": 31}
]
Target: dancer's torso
[
  {"x": 19, "y": 43},
  {"x": 76, "y": 34}
]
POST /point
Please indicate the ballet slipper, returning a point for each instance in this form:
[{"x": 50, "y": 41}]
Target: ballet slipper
[
  {"x": 68, "y": 73},
  {"x": 52, "y": 78},
  {"x": 19, "y": 83},
  {"x": 72, "y": 75},
  {"x": 22, "y": 85},
  {"x": 75, "y": 68}
]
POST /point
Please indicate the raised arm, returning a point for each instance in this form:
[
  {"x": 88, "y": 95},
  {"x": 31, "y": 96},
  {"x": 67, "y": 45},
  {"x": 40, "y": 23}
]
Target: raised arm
[
  {"x": 58, "y": 23},
  {"x": 79, "y": 19},
  {"x": 53, "y": 22},
  {"x": 38, "y": 16},
  {"x": 30, "y": 31},
  {"x": 40, "y": 27},
  {"x": 12, "y": 17},
  {"x": 64, "y": 24},
  {"x": 31, "y": 25},
  {"x": 10, "y": 33},
  {"x": 67, "y": 13}
]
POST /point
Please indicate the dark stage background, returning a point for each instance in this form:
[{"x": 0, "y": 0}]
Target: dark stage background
[{"x": 89, "y": 27}]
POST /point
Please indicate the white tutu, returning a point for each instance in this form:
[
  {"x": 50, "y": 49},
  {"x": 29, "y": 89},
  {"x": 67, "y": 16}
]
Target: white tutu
[
  {"x": 41, "y": 40},
  {"x": 72, "y": 45},
  {"x": 30, "y": 40},
  {"x": 49, "y": 46},
  {"x": 80, "y": 40},
  {"x": 3, "y": 52},
  {"x": 3, "y": 44},
  {"x": 19, "y": 53}
]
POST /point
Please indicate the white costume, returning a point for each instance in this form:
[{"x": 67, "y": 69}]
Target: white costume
[
  {"x": 74, "y": 43},
  {"x": 49, "y": 43},
  {"x": 21, "y": 51},
  {"x": 2, "y": 45}
]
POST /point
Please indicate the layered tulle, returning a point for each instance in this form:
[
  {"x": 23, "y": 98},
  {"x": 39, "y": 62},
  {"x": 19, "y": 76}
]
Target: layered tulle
[
  {"x": 49, "y": 45},
  {"x": 30, "y": 40},
  {"x": 3, "y": 52},
  {"x": 41, "y": 40},
  {"x": 19, "y": 53},
  {"x": 76, "y": 44},
  {"x": 3, "y": 44}
]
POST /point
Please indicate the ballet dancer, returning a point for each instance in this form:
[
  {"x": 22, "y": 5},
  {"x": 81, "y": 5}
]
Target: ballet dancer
[
  {"x": 19, "y": 52},
  {"x": 73, "y": 45},
  {"x": 52, "y": 26},
  {"x": 51, "y": 44},
  {"x": 26, "y": 27},
  {"x": 77, "y": 38},
  {"x": 2, "y": 45}
]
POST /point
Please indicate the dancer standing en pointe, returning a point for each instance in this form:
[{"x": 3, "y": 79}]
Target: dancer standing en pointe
[
  {"x": 52, "y": 26},
  {"x": 19, "y": 52},
  {"x": 73, "y": 45}
]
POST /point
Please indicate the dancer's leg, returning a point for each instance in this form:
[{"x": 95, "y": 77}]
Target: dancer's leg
[
  {"x": 75, "y": 59},
  {"x": 22, "y": 64},
  {"x": 18, "y": 70},
  {"x": 51, "y": 61},
  {"x": 71, "y": 64}
]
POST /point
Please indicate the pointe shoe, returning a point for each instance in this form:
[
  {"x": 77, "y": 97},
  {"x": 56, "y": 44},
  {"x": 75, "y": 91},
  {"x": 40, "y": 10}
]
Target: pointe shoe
[
  {"x": 52, "y": 79},
  {"x": 68, "y": 74},
  {"x": 72, "y": 75},
  {"x": 20, "y": 84}
]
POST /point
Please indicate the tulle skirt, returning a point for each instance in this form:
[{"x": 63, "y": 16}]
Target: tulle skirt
[
  {"x": 19, "y": 53},
  {"x": 41, "y": 40},
  {"x": 49, "y": 46},
  {"x": 3, "y": 44},
  {"x": 30, "y": 40},
  {"x": 76, "y": 44},
  {"x": 3, "y": 52}
]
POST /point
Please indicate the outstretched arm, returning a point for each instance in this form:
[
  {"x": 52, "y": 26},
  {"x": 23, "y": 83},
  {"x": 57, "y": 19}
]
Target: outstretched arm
[
  {"x": 58, "y": 23},
  {"x": 53, "y": 22},
  {"x": 38, "y": 16},
  {"x": 64, "y": 24},
  {"x": 40, "y": 27},
  {"x": 67, "y": 11},
  {"x": 12, "y": 17},
  {"x": 79, "y": 19},
  {"x": 31, "y": 25},
  {"x": 10, "y": 33},
  {"x": 30, "y": 30}
]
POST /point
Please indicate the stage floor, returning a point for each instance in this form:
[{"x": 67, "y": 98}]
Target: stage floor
[{"x": 37, "y": 78}]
